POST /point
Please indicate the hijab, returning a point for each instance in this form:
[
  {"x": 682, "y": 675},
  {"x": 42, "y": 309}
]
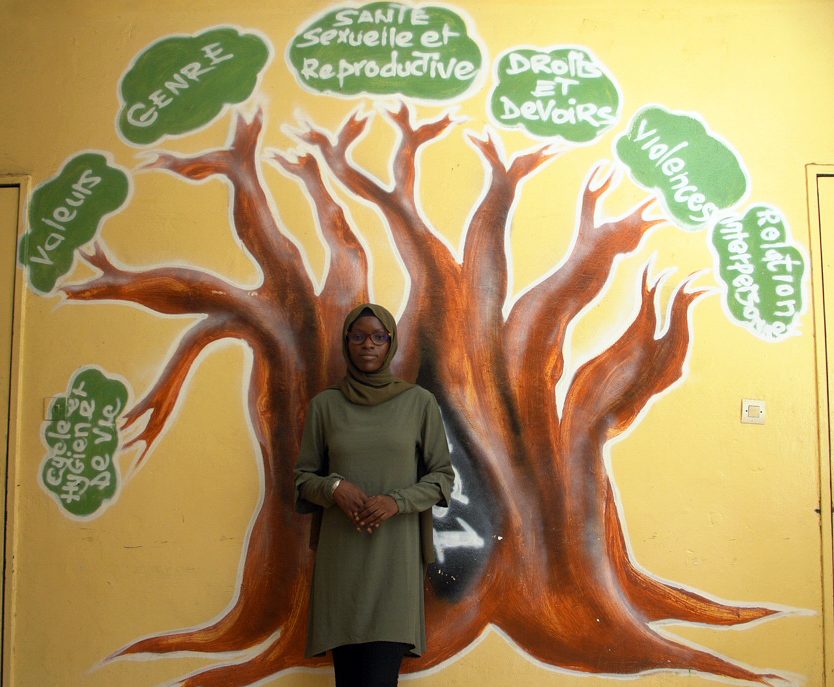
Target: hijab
[{"x": 371, "y": 388}]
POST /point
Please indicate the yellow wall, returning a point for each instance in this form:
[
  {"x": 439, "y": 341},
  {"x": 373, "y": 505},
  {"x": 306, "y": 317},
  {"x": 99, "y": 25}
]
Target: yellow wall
[{"x": 709, "y": 503}]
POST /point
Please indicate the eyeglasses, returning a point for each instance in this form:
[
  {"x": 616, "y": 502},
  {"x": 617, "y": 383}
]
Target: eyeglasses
[{"x": 378, "y": 338}]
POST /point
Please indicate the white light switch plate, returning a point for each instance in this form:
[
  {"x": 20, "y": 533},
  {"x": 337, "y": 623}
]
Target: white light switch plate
[{"x": 753, "y": 411}]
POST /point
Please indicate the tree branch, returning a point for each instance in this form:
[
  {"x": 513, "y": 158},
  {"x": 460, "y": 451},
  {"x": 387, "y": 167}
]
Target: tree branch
[
  {"x": 346, "y": 282},
  {"x": 254, "y": 223},
  {"x": 610, "y": 391},
  {"x": 485, "y": 260},
  {"x": 161, "y": 399},
  {"x": 167, "y": 290},
  {"x": 347, "y": 274},
  {"x": 430, "y": 266},
  {"x": 538, "y": 322},
  {"x": 411, "y": 140},
  {"x": 357, "y": 182},
  {"x": 482, "y": 290}
]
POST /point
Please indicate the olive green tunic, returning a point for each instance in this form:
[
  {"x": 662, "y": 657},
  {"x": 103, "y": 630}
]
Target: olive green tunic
[{"x": 369, "y": 587}]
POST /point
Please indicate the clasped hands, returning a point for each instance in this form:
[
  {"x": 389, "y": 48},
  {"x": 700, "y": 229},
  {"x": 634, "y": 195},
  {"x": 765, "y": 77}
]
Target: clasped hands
[{"x": 366, "y": 512}]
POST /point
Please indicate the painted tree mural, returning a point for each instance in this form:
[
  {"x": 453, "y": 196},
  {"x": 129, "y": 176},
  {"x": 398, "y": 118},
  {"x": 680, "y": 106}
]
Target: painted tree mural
[
  {"x": 551, "y": 566},
  {"x": 560, "y": 581}
]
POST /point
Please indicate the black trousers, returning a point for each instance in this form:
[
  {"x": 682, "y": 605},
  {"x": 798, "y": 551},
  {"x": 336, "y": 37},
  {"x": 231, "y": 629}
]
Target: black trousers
[{"x": 373, "y": 664}]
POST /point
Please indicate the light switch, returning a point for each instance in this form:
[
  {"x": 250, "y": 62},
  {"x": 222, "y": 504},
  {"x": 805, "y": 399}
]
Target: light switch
[{"x": 752, "y": 411}]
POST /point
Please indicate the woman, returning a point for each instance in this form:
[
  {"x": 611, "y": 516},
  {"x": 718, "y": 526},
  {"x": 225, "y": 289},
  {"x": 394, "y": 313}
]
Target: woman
[{"x": 374, "y": 460}]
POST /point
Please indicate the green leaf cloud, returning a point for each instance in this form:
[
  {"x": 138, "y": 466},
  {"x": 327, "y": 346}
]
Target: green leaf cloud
[
  {"x": 82, "y": 438},
  {"x": 181, "y": 83},
  {"x": 564, "y": 91},
  {"x": 762, "y": 270},
  {"x": 696, "y": 174},
  {"x": 66, "y": 212},
  {"x": 386, "y": 48}
]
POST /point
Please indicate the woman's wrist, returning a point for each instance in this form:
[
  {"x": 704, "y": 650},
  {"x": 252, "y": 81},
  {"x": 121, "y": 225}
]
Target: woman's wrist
[
  {"x": 335, "y": 486},
  {"x": 398, "y": 500}
]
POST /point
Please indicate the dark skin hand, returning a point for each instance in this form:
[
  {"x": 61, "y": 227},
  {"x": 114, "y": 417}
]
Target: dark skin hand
[
  {"x": 366, "y": 512},
  {"x": 350, "y": 498},
  {"x": 377, "y": 510}
]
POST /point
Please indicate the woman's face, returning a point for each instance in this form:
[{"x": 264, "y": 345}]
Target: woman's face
[{"x": 367, "y": 355}]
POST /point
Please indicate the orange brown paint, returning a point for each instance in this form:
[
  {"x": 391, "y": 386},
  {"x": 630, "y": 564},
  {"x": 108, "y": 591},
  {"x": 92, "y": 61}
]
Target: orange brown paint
[{"x": 560, "y": 582}]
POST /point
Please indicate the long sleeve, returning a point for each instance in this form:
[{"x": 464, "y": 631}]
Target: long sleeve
[
  {"x": 369, "y": 587},
  {"x": 313, "y": 482},
  {"x": 434, "y": 485}
]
